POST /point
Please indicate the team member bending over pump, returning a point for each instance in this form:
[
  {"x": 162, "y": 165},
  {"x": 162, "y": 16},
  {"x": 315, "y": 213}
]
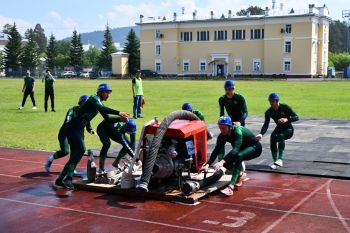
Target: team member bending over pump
[
  {"x": 283, "y": 115},
  {"x": 62, "y": 136},
  {"x": 75, "y": 131},
  {"x": 244, "y": 147},
  {"x": 115, "y": 130}
]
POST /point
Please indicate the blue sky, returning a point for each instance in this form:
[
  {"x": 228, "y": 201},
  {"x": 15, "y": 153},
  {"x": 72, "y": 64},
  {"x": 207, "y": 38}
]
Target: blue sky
[{"x": 62, "y": 16}]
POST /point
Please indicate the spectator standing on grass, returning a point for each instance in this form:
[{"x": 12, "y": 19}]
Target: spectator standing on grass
[
  {"x": 137, "y": 93},
  {"x": 49, "y": 90},
  {"x": 28, "y": 89}
]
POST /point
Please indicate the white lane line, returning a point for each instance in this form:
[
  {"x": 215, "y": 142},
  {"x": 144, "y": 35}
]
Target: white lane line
[
  {"x": 27, "y": 161},
  {"x": 65, "y": 225},
  {"x": 106, "y": 215},
  {"x": 261, "y": 161},
  {"x": 294, "y": 190},
  {"x": 211, "y": 222},
  {"x": 334, "y": 207},
  {"x": 6, "y": 175},
  {"x": 274, "y": 210},
  {"x": 290, "y": 211},
  {"x": 191, "y": 212}
]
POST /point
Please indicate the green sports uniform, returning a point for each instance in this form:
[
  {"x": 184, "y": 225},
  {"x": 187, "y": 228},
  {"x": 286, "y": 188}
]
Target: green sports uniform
[
  {"x": 199, "y": 114},
  {"x": 282, "y": 132},
  {"x": 49, "y": 91},
  {"x": 62, "y": 136},
  {"x": 111, "y": 129},
  {"x": 75, "y": 131},
  {"x": 244, "y": 147},
  {"x": 235, "y": 107},
  {"x": 28, "y": 90}
]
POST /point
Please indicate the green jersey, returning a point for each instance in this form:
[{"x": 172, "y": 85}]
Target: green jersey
[
  {"x": 29, "y": 83},
  {"x": 199, "y": 114},
  {"x": 71, "y": 113},
  {"x": 137, "y": 83},
  {"x": 91, "y": 107},
  {"x": 283, "y": 111},
  {"x": 49, "y": 80},
  {"x": 236, "y": 107},
  {"x": 240, "y": 138}
]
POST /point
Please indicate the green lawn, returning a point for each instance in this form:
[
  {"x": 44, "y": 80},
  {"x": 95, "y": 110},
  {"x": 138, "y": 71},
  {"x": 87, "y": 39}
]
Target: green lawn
[{"x": 38, "y": 130}]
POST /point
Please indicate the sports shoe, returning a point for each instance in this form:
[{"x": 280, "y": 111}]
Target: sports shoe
[
  {"x": 48, "y": 164},
  {"x": 273, "y": 166},
  {"x": 59, "y": 184},
  {"x": 68, "y": 183},
  {"x": 53, "y": 110},
  {"x": 228, "y": 191},
  {"x": 20, "y": 108},
  {"x": 34, "y": 108},
  {"x": 101, "y": 171},
  {"x": 240, "y": 180},
  {"x": 279, "y": 163}
]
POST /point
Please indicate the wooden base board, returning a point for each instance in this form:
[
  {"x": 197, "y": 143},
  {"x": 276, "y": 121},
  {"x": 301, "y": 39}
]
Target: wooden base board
[{"x": 164, "y": 192}]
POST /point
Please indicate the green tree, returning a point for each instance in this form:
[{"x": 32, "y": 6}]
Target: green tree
[
  {"x": 254, "y": 10},
  {"x": 76, "y": 51},
  {"x": 40, "y": 38},
  {"x": 339, "y": 60},
  {"x": 2, "y": 61},
  {"x": 105, "y": 59},
  {"x": 51, "y": 52},
  {"x": 29, "y": 57},
  {"x": 62, "y": 61},
  {"x": 13, "y": 50},
  {"x": 91, "y": 56},
  {"x": 6, "y": 29},
  {"x": 132, "y": 47},
  {"x": 63, "y": 47},
  {"x": 337, "y": 36}
]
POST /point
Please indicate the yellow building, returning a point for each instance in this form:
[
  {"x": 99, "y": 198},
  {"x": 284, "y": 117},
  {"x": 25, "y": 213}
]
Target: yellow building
[
  {"x": 120, "y": 64},
  {"x": 294, "y": 43}
]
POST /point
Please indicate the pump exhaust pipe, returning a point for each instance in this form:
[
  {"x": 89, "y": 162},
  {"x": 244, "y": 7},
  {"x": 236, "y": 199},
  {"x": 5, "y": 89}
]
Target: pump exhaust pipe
[{"x": 190, "y": 187}]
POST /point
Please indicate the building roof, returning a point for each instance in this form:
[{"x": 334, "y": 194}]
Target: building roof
[{"x": 268, "y": 13}]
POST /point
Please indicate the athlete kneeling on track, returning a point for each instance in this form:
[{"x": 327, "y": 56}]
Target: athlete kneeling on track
[{"x": 244, "y": 147}]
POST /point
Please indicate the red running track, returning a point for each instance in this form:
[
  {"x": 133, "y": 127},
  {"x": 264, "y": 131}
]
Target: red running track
[{"x": 266, "y": 203}]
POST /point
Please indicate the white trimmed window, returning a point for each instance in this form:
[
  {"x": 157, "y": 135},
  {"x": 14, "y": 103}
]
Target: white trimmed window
[
  {"x": 256, "y": 64},
  {"x": 238, "y": 34},
  {"x": 288, "y": 28},
  {"x": 237, "y": 62},
  {"x": 287, "y": 65},
  {"x": 158, "y": 50},
  {"x": 158, "y": 34},
  {"x": 186, "y": 66},
  {"x": 158, "y": 66},
  {"x": 257, "y": 34},
  {"x": 220, "y": 35},
  {"x": 287, "y": 46},
  {"x": 202, "y": 65},
  {"x": 202, "y": 35},
  {"x": 186, "y": 36}
]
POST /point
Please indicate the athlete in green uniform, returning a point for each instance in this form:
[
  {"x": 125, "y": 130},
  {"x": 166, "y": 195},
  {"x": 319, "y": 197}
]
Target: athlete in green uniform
[
  {"x": 188, "y": 107},
  {"x": 244, "y": 147},
  {"x": 62, "y": 136},
  {"x": 49, "y": 90},
  {"x": 137, "y": 93},
  {"x": 283, "y": 115},
  {"x": 234, "y": 104},
  {"x": 28, "y": 89},
  {"x": 75, "y": 131},
  {"x": 112, "y": 129}
]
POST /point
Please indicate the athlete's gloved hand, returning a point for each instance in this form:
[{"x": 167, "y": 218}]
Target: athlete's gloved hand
[
  {"x": 219, "y": 165},
  {"x": 204, "y": 168},
  {"x": 237, "y": 123},
  {"x": 258, "y": 137}
]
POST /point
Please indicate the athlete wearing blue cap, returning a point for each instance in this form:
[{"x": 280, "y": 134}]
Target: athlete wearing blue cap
[
  {"x": 75, "y": 131},
  {"x": 283, "y": 116},
  {"x": 116, "y": 130},
  {"x": 244, "y": 147},
  {"x": 234, "y": 104},
  {"x": 62, "y": 136}
]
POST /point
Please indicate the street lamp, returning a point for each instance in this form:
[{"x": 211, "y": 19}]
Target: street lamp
[{"x": 346, "y": 16}]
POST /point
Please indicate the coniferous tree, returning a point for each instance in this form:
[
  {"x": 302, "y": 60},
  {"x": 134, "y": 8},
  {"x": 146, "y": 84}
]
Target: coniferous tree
[
  {"x": 51, "y": 52},
  {"x": 132, "y": 47},
  {"x": 40, "y": 38},
  {"x": 105, "y": 58},
  {"x": 29, "y": 57},
  {"x": 76, "y": 51},
  {"x": 13, "y": 50}
]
